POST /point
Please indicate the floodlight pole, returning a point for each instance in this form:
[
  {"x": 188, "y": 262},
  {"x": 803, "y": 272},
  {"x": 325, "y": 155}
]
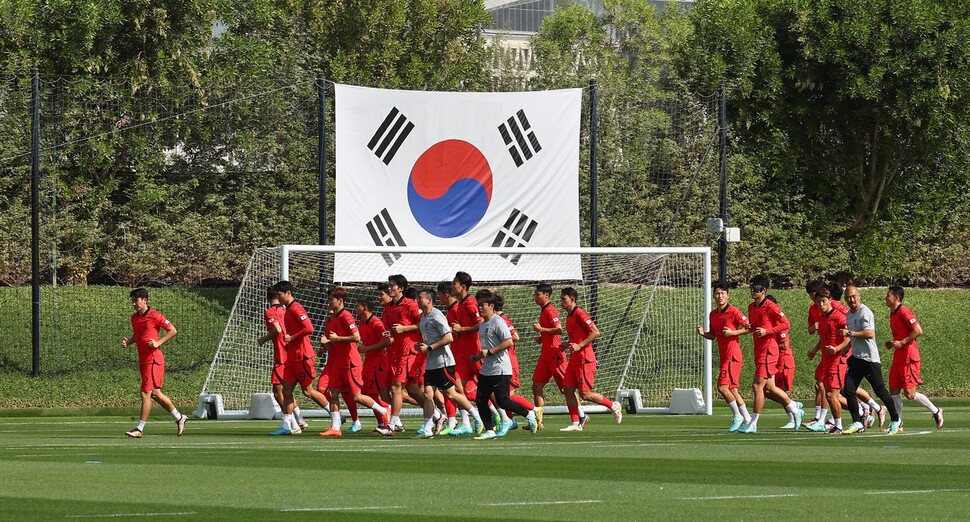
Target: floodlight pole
[
  {"x": 322, "y": 160},
  {"x": 722, "y": 130},
  {"x": 593, "y": 212},
  {"x": 35, "y": 221}
]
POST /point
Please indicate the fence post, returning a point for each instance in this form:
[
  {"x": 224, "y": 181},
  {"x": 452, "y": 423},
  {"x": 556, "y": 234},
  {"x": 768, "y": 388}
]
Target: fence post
[
  {"x": 593, "y": 196},
  {"x": 35, "y": 221},
  {"x": 322, "y": 159},
  {"x": 723, "y": 196}
]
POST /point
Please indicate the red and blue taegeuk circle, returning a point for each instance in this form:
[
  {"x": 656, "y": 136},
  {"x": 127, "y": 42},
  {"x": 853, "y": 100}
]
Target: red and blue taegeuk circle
[{"x": 450, "y": 188}]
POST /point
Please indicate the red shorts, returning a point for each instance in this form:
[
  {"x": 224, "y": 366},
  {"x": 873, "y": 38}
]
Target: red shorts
[
  {"x": 819, "y": 371},
  {"x": 730, "y": 372},
  {"x": 550, "y": 368},
  {"x": 785, "y": 370},
  {"x": 345, "y": 379},
  {"x": 276, "y": 376},
  {"x": 514, "y": 381},
  {"x": 400, "y": 368},
  {"x": 765, "y": 363},
  {"x": 580, "y": 373},
  {"x": 465, "y": 368},
  {"x": 834, "y": 376},
  {"x": 416, "y": 373},
  {"x": 300, "y": 370},
  {"x": 152, "y": 375},
  {"x": 903, "y": 374},
  {"x": 376, "y": 376}
]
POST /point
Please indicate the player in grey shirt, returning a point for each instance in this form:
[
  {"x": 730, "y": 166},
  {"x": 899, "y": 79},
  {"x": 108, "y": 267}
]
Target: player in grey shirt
[
  {"x": 440, "y": 367},
  {"x": 864, "y": 361},
  {"x": 495, "y": 377}
]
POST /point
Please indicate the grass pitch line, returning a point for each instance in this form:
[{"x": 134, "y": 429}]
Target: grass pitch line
[
  {"x": 338, "y": 508},
  {"x": 914, "y": 491},
  {"x": 541, "y": 503},
  {"x": 118, "y": 515},
  {"x": 738, "y": 497}
]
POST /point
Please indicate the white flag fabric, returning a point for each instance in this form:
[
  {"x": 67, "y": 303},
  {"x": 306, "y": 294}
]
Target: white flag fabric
[{"x": 449, "y": 169}]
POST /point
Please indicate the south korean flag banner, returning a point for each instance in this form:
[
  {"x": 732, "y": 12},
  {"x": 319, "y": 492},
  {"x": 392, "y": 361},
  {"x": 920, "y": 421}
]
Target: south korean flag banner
[{"x": 448, "y": 169}]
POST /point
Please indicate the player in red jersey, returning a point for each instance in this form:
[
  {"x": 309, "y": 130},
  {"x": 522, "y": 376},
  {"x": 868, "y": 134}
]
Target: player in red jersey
[
  {"x": 343, "y": 371},
  {"x": 145, "y": 324},
  {"x": 552, "y": 359},
  {"x": 273, "y": 319},
  {"x": 785, "y": 371},
  {"x": 374, "y": 340},
  {"x": 904, "y": 374},
  {"x": 835, "y": 350},
  {"x": 465, "y": 331},
  {"x": 581, "y": 369},
  {"x": 402, "y": 316},
  {"x": 727, "y": 322},
  {"x": 766, "y": 320},
  {"x": 299, "y": 367}
]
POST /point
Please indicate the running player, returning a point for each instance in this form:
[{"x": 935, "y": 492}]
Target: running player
[
  {"x": 835, "y": 350},
  {"x": 145, "y": 324},
  {"x": 464, "y": 329},
  {"x": 904, "y": 374},
  {"x": 785, "y": 371},
  {"x": 581, "y": 369},
  {"x": 552, "y": 358},
  {"x": 374, "y": 340},
  {"x": 727, "y": 322},
  {"x": 507, "y": 421},
  {"x": 273, "y": 319},
  {"x": 401, "y": 316}
]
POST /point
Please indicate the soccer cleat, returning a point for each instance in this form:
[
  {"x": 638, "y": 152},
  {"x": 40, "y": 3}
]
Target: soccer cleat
[
  {"x": 296, "y": 431},
  {"x": 304, "y": 425},
  {"x": 533, "y": 426},
  {"x": 855, "y": 427},
  {"x": 503, "y": 430},
  {"x": 487, "y": 435},
  {"x": 809, "y": 423},
  {"x": 938, "y": 417},
  {"x": 834, "y": 431},
  {"x": 572, "y": 427},
  {"x": 882, "y": 416},
  {"x": 461, "y": 430},
  {"x": 749, "y": 429},
  {"x": 355, "y": 427},
  {"x": 180, "y": 425},
  {"x": 735, "y": 425},
  {"x": 789, "y": 426},
  {"x": 540, "y": 426},
  {"x": 798, "y": 418},
  {"x": 800, "y": 405},
  {"x": 617, "y": 411},
  {"x": 497, "y": 420},
  {"x": 743, "y": 427},
  {"x": 439, "y": 425},
  {"x": 383, "y": 431},
  {"x": 479, "y": 426},
  {"x": 583, "y": 420},
  {"x": 446, "y": 431},
  {"x": 894, "y": 427},
  {"x": 817, "y": 427},
  {"x": 514, "y": 425},
  {"x": 331, "y": 432},
  {"x": 399, "y": 428},
  {"x": 421, "y": 434},
  {"x": 134, "y": 433},
  {"x": 282, "y": 430},
  {"x": 870, "y": 420}
]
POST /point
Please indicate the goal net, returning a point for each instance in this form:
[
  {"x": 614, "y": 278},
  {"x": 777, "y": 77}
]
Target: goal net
[{"x": 646, "y": 303}]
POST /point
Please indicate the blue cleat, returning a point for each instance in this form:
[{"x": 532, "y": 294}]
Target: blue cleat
[
  {"x": 354, "y": 428},
  {"x": 748, "y": 429},
  {"x": 479, "y": 427},
  {"x": 281, "y": 431},
  {"x": 736, "y": 425},
  {"x": 799, "y": 415},
  {"x": 817, "y": 427},
  {"x": 893, "y": 428},
  {"x": 503, "y": 429}
]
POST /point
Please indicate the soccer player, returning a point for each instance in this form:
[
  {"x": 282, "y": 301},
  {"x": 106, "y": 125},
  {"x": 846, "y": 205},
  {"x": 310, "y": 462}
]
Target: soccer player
[
  {"x": 496, "y": 370},
  {"x": 273, "y": 319},
  {"x": 785, "y": 371},
  {"x": 402, "y": 316},
  {"x": 299, "y": 367},
  {"x": 581, "y": 369},
  {"x": 439, "y": 368},
  {"x": 508, "y": 422},
  {"x": 864, "y": 362},
  {"x": 904, "y": 374},
  {"x": 552, "y": 358},
  {"x": 374, "y": 340},
  {"x": 835, "y": 350},
  {"x": 727, "y": 322},
  {"x": 466, "y": 344},
  {"x": 145, "y": 324},
  {"x": 446, "y": 296},
  {"x": 766, "y": 320},
  {"x": 343, "y": 371}
]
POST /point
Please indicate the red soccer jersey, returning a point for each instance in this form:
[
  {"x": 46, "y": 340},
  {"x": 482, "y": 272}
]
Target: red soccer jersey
[
  {"x": 467, "y": 343},
  {"x": 839, "y": 306},
  {"x": 297, "y": 324},
  {"x": 404, "y": 312},
  {"x": 343, "y": 354},
  {"x": 145, "y": 327},
  {"x": 511, "y": 350},
  {"x": 551, "y": 343},
  {"x": 274, "y": 316},
  {"x": 372, "y": 332},
  {"x": 769, "y": 316},
  {"x": 578, "y": 327},
  {"x": 902, "y": 321},
  {"x": 814, "y": 314},
  {"x": 731, "y": 318},
  {"x": 828, "y": 331}
]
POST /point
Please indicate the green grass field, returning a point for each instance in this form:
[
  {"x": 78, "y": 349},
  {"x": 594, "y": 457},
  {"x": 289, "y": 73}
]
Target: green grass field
[{"x": 650, "y": 467}]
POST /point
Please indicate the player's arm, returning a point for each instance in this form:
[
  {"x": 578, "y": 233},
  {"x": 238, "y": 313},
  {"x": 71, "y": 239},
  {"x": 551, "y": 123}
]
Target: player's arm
[
  {"x": 354, "y": 337},
  {"x": 779, "y": 323},
  {"x": 170, "y": 332},
  {"x": 914, "y": 332},
  {"x": 840, "y": 348},
  {"x": 594, "y": 332},
  {"x": 815, "y": 349},
  {"x": 305, "y": 329},
  {"x": 707, "y": 335},
  {"x": 502, "y": 346},
  {"x": 383, "y": 343},
  {"x": 277, "y": 329},
  {"x": 445, "y": 340}
]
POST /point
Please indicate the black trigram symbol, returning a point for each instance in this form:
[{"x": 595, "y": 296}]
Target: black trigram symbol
[
  {"x": 390, "y": 135},
  {"x": 514, "y": 132},
  {"x": 384, "y": 233},
  {"x": 516, "y": 232}
]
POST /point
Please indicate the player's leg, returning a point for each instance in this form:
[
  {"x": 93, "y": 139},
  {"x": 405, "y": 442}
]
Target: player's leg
[
  {"x": 874, "y": 376},
  {"x": 486, "y": 388}
]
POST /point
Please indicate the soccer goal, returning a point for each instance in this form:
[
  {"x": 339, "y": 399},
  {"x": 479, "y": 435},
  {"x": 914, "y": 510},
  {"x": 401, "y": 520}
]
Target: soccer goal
[{"x": 646, "y": 303}]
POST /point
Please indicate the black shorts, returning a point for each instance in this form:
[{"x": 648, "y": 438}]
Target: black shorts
[{"x": 441, "y": 378}]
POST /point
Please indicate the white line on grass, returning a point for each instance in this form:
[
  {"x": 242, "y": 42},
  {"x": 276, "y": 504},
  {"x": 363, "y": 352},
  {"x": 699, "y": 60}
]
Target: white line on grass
[
  {"x": 116, "y": 515},
  {"x": 344, "y": 508},
  {"x": 734, "y": 497},
  {"x": 541, "y": 503},
  {"x": 913, "y": 491}
]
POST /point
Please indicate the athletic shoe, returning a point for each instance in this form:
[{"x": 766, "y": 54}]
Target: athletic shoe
[
  {"x": 180, "y": 424},
  {"x": 799, "y": 415},
  {"x": 331, "y": 432},
  {"x": 304, "y": 425},
  {"x": 503, "y": 430},
  {"x": 894, "y": 427},
  {"x": 383, "y": 431},
  {"x": 749, "y": 429},
  {"x": 487, "y": 435},
  {"x": 447, "y": 431},
  {"x": 800, "y": 405},
  {"x": 817, "y": 427},
  {"x": 809, "y": 423},
  {"x": 583, "y": 420},
  {"x": 297, "y": 431},
  {"x": 134, "y": 433},
  {"x": 743, "y": 427},
  {"x": 354, "y": 428},
  {"x": 439, "y": 425},
  {"x": 882, "y": 416},
  {"x": 461, "y": 430},
  {"x": 514, "y": 425},
  {"x": 424, "y": 434},
  {"x": 870, "y": 421},
  {"x": 834, "y": 431},
  {"x": 572, "y": 427},
  {"x": 478, "y": 427},
  {"x": 855, "y": 427},
  {"x": 399, "y": 428},
  {"x": 497, "y": 419},
  {"x": 617, "y": 410},
  {"x": 735, "y": 425},
  {"x": 533, "y": 426},
  {"x": 789, "y": 426},
  {"x": 938, "y": 417},
  {"x": 282, "y": 430}
]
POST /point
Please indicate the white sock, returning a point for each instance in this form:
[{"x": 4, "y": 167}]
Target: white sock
[
  {"x": 734, "y": 409},
  {"x": 754, "y": 419},
  {"x": 792, "y": 409},
  {"x": 428, "y": 425},
  {"x": 178, "y": 416},
  {"x": 874, "y": 405},
  {"x": 141, "y": 425},
  {"x": 493, "y": 409},
  {"x": 475, "y": 415},
  {"x": 581, "y": 413},
  {"x": 464, "y": 419},
  {"x": 791, "y": 417},
  {"x": 335, "y": 420},
  {"x": 436, "y": 415},
  {"x": 898, "y": 400},
  {"x": 744, "y": 412},
  {"x": 288, "y": 421},
  {"x": 818, "y": 412},
  {"x": 504, "y": 416},
  {"x": 863, "y": 409},
  {"x": 452, "y": 422},
  {"x": 821, "y": 414},
  {"x": 838, "y": 423},
  {"x": 298, "y": 415},
  {"x": 926, "y": 402},
  {"x": 378, "y": 408},
  {"x": 395, "y": 420},
  {"x": 531, "y": 417}
]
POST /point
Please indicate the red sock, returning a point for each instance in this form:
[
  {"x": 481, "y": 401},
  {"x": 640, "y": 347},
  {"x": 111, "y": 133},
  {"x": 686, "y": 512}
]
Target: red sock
[
  {"x": 450, "y": 408},
  {"x": 606, "y": 402},
  {"x": 351, "y": 406},
  {"x": 573, "y": 413},
  {"x": 471, "y": 394},
  {"x": 522, "y": 401}
]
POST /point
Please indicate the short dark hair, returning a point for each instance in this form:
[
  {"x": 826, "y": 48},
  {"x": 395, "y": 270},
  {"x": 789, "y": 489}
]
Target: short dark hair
[
  {"x": 771, "y": 298},
  {"x": 464, "y": 279},
  {"x": 499, "y": 303},
  {"x": 366, "y": 303},
  {"x": 382, "y": 288},
  {"x": 813, "y": 286},
  {"x": 488, "y": 298},
  {"x": 410, "y": 293},
  {"x": 897, "y": 291},
  {"x": 338, "y": 292},
  {"x": 283, "y": 287},
  {"x": 445, "y": 288},
  {"x": 138, "y": 293},
  {"x": 544, "y": 288},
  {"x": 823, "y": 292},
  {"x": 399, "y": 280},
  {"x": 835, "y": 288},
  {"x": 272, "y": 293},
  {"x": 479, "y": 295},
  {"x": 569, "y": 292},
  {"x": 719, "y": 286},
  {"x": 430, "y": 293},
  {"x": 760, "y": 283}
]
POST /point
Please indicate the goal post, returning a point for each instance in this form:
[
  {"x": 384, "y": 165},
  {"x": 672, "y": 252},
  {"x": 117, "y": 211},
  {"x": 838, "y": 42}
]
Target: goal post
[{"x": 646, "y": 302}]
